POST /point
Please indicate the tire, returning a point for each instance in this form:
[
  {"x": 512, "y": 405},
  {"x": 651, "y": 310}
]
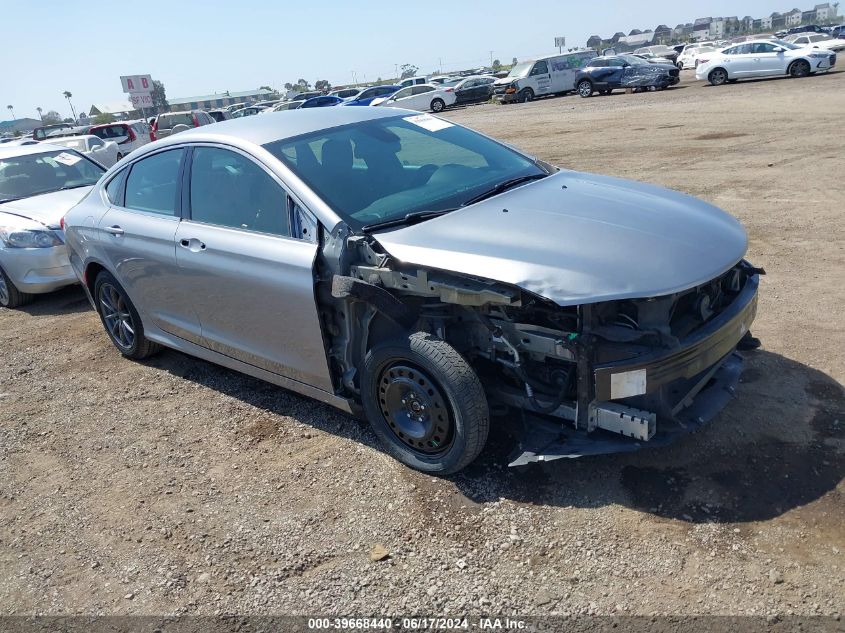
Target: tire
[
  {"x": 800, "y": 68},
  {"x": 10, "y": 296},
  {"x": 732, "y": 81},
  {"x": 718, "y": 77},
  {"x": 526, "y": 95},
  {"x": 124, "y": 326},
  {"x": 437, "y": 105},
  {"x": 585, "y": 88},
  {"x": 405, "y": 383},
  {"x": 680, "y": 65}
]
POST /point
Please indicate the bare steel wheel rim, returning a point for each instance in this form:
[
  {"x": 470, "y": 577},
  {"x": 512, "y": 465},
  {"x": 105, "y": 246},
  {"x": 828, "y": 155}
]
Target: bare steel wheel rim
[
  {"x": 5, "y": 297},
  {"x": 415, "y": 409},
  {"x": 116, "y": 316}
]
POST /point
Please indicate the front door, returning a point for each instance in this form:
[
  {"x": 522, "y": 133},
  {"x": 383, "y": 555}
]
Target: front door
[
  {"x": 137, "y": 235},
  {"x": 250, "y": 282},
  {"x": 768, "y": 61},
  {"x": 542, "y": 77}
]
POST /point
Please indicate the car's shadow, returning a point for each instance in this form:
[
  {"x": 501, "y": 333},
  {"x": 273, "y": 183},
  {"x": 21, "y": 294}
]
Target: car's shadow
[
  {"x": 68, "y": 300},
  {"x": 777, "y": 446},
  {"x": 755, "y": 80}
]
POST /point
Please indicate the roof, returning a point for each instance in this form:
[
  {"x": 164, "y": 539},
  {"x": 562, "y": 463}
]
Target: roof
[
  {"x": 112, "y": 107},
  {"x": 220, "y": 95}
]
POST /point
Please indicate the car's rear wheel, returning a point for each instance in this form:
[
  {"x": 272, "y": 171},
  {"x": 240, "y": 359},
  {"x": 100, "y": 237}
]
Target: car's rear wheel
[
  {"x": 10, "y": 296},
  {"x": 121, "y": 319},
  {"x": 425, "y": 403},
  {"x": 718, "y": 77},
  {"x": 437, "y": 105},
  {"x": 526, "y": 95},
  {"x": 585, "y": 88},
  {"x": 680, "y": 65},
  {"x": 799, "y": 68}
]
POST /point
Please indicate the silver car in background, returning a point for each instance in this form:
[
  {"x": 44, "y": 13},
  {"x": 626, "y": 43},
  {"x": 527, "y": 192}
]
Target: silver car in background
[
  {"x": 38, "y": 184},
  {"x": 421, "y": 275}
]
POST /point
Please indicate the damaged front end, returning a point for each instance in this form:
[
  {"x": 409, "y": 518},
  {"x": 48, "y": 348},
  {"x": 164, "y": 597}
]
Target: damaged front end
[{"x": 586, "y": 379}]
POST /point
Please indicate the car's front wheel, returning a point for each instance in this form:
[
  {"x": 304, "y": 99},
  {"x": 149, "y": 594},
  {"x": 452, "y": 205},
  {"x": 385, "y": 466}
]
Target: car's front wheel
[
  {"x": 585, "y": 88},
  {"x": 10, "y": 296},
  {"x": 121, "y": 319},
  {"x": 800, "y": 68},
  {"x": 437, "y": 105},
  {"x": 425, "y": 403},
  {"x": 718, "y": 77}
]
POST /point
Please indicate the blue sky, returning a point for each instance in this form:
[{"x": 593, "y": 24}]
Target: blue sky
[{"x": 200, "y": 47}]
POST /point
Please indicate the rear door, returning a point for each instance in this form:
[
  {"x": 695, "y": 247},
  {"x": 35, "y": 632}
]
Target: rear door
[
  {"x": 741, "y": 62},
  {"x": 250, "y": 281},
  {"x": 138, "y": 238}
]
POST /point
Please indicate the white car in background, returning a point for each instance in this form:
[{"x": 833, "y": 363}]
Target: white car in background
[
  {"x": 691, "y": 54},
  {"x": 423, "y": 97},
  {"x": 817, "y": 40},
  {"x": 95, "y": 148},
  {"x": 762, "y": 58},
  {"x": 38, "y": 185},
  {"x": 129, "y": 135}
]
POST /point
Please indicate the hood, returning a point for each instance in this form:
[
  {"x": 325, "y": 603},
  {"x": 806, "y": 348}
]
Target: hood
[
  {"x": 47, "y": 208},
  {"x": 579, "y": 238}
]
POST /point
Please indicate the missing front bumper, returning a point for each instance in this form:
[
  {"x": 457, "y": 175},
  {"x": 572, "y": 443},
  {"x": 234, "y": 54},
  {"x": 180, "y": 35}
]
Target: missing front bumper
[{"x": 545, "y": 439}]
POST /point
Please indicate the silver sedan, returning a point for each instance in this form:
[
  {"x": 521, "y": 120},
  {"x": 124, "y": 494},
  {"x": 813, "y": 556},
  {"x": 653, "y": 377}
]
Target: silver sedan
[
  {"x": 38, "y": 184},
  {"x": 421, "y": 275}
]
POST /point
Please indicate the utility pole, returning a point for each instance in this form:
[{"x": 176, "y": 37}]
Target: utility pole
[{"x": 491, "y": 59}]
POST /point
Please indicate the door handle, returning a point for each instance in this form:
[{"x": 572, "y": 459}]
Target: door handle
[
  {"x": 194, "y": 245},
  {"x": 114, "y": 230}
]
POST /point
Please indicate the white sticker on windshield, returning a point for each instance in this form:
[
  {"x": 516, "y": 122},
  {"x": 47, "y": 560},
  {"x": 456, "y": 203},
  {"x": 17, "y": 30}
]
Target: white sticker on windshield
[
  {"x": 428, "y": 122},
  {"x": 67, "y": 159}
]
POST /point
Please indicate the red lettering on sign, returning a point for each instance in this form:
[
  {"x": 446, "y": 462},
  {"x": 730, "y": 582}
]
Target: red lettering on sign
[
  {"x": 144, "y": 82},
  {"x": 129, "y": 84}
]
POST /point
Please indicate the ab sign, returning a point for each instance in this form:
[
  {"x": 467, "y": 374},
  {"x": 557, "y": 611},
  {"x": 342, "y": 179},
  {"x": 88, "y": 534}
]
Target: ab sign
[{"x": 138, "y": 87}]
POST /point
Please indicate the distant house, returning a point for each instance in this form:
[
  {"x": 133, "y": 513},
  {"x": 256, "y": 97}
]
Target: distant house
[
  {"x": 824, "y": 12},
  {"x": 662, "y": 34},
  {"x": 757, "y": 25},
  {"x": 219, "y": 100},
  {"x": 717, "y": 28},
  {"x": 808, "y": 17},
  {"x": 635, "y": 32},
  {"x": 793, "y": 18},
  {"x": 778, "y": 21},
  {"x": 747, "y": 23},
  {"x": 682, "y": 31},
  {"x": 616, "y": 37},
  {"x": 594, "y": 41},
  {"x": 635, "y": 41},
  {"x": 118, "y": 109}
]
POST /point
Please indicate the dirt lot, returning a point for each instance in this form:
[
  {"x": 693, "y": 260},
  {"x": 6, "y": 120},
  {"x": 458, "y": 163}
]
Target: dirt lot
[{"x": 175, "y": 486}]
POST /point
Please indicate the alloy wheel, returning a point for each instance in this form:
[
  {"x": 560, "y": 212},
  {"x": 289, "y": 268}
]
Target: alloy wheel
[
  {"x": 415, "y": 409},
  {"x": 585, "y": 89},
  {"x": 117, "y": 317}
]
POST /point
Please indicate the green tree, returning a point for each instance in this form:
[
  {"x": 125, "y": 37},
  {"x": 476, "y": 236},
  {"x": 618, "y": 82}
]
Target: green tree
[
  {"x": 408, "y": 70},
  {"x": 496, "y": 64},
  {"x": 303, "y": 85},
  {"x": 67, "y": 95},
  {"x": 267, "y": 88},
  {"x": 513, "y": 62},
  {"x": 51, "y": 117},
  {"x": 323, "y": 85},
  {"x": 104, "y": 117},
  {"x": 288, "y": 86},
  {"x": 159, "y": 97}
]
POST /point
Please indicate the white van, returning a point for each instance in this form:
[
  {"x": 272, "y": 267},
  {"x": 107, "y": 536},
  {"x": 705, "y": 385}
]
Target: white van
[{"x": 554, "y": 74}]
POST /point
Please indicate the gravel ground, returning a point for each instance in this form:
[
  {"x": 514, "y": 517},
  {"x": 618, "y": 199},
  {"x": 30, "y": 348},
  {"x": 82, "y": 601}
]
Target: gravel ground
[{"x": 177, "y": 487}]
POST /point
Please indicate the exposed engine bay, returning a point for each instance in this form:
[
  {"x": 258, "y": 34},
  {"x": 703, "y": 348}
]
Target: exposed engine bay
[{"x": 615, "y": 366}]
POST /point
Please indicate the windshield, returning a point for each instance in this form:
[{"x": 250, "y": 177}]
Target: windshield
[
  {"x": 785, "y": 44},
  {"x": 521, "y": 69},
  {"x": 633, "y": 60},
  {"x": 34, "y": 174},
  {"x": 384, "y": 169}
]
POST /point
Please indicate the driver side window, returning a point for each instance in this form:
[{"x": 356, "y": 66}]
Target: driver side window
[{"x": 540, "y": 68}]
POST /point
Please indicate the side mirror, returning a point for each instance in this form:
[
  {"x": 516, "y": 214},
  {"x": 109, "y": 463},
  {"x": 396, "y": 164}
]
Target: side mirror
[{"x": 778, "y": 49}]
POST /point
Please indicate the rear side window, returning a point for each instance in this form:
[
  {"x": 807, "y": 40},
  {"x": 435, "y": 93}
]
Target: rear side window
[
  {"x": 228, "y": 189},
  {"x": 114, "y": 189},
  {"x": 153, "y": 183},
  {"x": 110, "y": 132}
]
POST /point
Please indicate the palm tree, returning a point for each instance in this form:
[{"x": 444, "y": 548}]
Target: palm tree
[
  {"x": 41, "y": 116},
  {"x": 12, "y": 110},
  {"x": 67, "y": 94}
]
